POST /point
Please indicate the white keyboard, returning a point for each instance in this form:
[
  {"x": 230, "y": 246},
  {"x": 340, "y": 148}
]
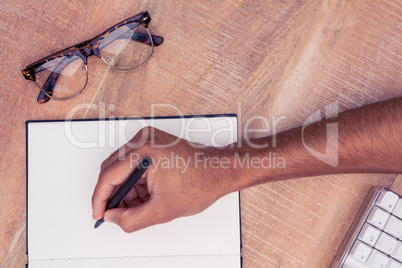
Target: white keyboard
[{"x": 375, "y": 238}]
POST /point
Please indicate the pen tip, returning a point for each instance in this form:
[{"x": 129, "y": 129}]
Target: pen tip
[{"x": 98, "y": 223}]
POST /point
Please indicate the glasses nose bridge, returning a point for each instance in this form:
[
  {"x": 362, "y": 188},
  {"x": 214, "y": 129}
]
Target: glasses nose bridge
[{"x": 89, "y": 50}]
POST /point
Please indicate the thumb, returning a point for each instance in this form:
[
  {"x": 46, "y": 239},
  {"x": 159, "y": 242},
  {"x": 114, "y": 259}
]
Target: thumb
[{"x": 136, "y": 218}]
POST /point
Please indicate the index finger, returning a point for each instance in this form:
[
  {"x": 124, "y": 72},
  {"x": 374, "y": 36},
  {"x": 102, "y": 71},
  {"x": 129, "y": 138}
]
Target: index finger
[{"x": 109, "y": 178}]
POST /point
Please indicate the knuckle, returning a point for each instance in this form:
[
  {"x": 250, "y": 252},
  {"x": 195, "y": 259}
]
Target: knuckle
[
  {"x": 148, "y": 128},
  {"x": 103, "y": 165},
  {"x": 144, "y": 131}
]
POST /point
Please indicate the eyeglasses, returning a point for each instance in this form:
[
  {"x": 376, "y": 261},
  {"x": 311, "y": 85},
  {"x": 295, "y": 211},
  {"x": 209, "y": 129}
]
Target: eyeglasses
[{"x": 64, "y": 74}]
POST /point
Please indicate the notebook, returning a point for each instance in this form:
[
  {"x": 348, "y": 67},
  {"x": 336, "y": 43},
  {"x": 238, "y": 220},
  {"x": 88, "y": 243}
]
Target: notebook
[{"x": 63, "y": 164}]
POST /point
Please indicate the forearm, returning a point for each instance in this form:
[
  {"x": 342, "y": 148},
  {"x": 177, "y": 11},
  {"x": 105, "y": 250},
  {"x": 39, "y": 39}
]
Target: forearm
[{"x": 363, "y": 140}]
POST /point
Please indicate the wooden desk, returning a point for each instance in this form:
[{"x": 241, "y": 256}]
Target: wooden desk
[{"x": 273, "y": 59}]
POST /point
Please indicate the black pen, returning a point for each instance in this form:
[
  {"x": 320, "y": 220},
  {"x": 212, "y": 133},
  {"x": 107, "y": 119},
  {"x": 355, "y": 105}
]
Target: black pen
[{"x": 126, "y": 187}]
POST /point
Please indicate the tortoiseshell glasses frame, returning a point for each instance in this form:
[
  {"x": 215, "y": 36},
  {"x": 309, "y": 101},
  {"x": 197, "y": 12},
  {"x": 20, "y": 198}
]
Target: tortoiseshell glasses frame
[{"x": 62, "y": 65}]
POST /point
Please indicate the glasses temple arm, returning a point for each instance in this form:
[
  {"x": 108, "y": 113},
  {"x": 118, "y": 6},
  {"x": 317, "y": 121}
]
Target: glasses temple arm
[{"x": 142, "y": 38}]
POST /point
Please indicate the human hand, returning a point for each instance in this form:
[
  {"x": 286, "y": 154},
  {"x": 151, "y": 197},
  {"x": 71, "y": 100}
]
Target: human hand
[{"x": 174, "y": 186}]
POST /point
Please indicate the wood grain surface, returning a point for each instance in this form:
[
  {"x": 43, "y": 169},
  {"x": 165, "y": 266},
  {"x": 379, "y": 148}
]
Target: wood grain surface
[{"x": 278, "y": 60}]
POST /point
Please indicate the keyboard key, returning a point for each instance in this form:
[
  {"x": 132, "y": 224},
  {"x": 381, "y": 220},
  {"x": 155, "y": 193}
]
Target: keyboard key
[
  {"x": 386, "y": 244},
  {"x": 398, "y": 252},
  {"x": 378, "y": 217},
  {"x": 387, "y": 200},
  {"x": 394, "y": 264},
  {"x": 398, "y": 209},
  {"x": 360, "y": 251},
  {"x": 351, "y": 262},
  {"x": 369, "y": 234},
  {"x": 394, "y": 227},
  {"x": 377, "y": 260}
]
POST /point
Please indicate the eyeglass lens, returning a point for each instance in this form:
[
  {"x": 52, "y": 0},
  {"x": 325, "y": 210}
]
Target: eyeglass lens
[
  {"x": 127, "y": 47},
  {"x": 63, "y": 77}
]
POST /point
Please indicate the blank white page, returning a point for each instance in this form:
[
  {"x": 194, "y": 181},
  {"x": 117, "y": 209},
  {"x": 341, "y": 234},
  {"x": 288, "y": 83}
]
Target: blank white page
[{"x": 63, "y": 166}]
